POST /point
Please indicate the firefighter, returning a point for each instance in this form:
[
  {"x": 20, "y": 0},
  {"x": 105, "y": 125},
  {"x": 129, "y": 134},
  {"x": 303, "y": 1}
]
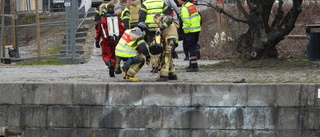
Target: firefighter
[
  {"x": 102, "y": 6},
  {"x": 125, "y": 15},
  {"x": 134, "y": 10},
  {"x": 191, "y": 25},
  {"x": 169, "y": 35},
  {"x": 129, "y": 48},
  {"x": 147, "y": 11},
  {"x": 106, "y": 38}
]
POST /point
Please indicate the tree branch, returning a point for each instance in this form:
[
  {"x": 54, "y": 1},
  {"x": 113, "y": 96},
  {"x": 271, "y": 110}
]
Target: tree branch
[
  {"x": 279, "y": 15},
  {"x": 225, "y": 13}
]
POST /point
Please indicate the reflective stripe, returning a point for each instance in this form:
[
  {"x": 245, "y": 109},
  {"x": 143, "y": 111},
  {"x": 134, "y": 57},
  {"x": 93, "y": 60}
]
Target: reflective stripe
[
  {"x": 191, "y": 16},
  {"x": 193, "y": 28},
  {"x": 128, "y": 52},
  {"x": 153, "y": 7},
  {"x": 126, "y": 47}
]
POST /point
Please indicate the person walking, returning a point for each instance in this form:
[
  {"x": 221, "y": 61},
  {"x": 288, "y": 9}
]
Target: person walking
[
  {"x": 106, "y": 38},
  {"x": 148, "y": 9},
  {"x": 169, "y": 37},
  {"x": 129, "y": 48},
  {"x": 191, "y": 25}
]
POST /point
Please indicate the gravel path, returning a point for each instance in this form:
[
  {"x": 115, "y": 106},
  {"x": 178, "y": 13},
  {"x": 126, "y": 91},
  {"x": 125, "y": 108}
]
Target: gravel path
[{"x": 96, "y": 71}]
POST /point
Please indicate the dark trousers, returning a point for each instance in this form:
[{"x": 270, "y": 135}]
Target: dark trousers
[{"x": 190, "y": 46}]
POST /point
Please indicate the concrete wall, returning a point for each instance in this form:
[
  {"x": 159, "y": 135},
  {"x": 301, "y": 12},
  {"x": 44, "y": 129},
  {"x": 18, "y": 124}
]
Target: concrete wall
[{"x": 160, "y": 110}]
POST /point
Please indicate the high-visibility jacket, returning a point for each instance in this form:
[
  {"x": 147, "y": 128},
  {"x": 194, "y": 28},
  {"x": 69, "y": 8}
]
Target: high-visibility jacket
[
  {"x": 125, "y": 17},
  {"x": 126, "y": 47},
  {"x": 153, "y": 7},
  {"x": 191, "y": 18}
]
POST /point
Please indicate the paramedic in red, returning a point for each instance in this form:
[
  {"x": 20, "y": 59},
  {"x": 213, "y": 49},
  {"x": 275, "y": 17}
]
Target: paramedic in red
[{"x": 107, "y": 43}]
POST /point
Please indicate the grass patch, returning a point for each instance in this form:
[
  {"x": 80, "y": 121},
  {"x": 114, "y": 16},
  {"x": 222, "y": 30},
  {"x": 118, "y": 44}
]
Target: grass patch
[
  {"x": 53, "y": 50},
  {"x": 41, "y": 62},
  {"x": 27, "y": 19}
]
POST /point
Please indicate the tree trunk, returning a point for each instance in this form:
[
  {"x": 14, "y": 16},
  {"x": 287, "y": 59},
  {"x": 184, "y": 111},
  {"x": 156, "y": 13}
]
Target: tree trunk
[{"x": 261, "y": 38}]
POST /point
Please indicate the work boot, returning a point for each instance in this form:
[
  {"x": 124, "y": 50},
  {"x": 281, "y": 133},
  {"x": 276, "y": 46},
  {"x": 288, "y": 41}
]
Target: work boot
[
  {"x": 172, "y": 77},
  {"x": 163, "y": 78},
  {"x": 111, "y": 72},
  {"x": 154, "y": 70},
  {"x": 132, "y": 79},
  {"x": 118, "y": 71},
  {"x": 124, "y": 74},
  {"x": 190, "y": 69},
  {"x": 111, "y": 68},
  {"x": 187, "y": 56}
]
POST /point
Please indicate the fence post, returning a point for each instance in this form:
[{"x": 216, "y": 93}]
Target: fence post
[
  {"x": 71, "y": 9},
  {"x": 38, "y": 29},
  {"x": 2, "y": 41}
]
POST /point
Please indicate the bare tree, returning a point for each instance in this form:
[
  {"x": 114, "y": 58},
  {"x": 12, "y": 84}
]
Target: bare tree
[{"x": 263, "y": 33}]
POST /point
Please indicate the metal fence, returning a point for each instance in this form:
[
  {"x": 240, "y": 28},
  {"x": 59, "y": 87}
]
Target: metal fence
[{"x": 39, "y": 33}]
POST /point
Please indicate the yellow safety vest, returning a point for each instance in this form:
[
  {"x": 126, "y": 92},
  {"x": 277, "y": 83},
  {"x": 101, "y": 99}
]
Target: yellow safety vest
[
  {"x": 153, "y": 7},
  {"x": 126, "y": 47},
  {"x": 191, "y": 18},
  {"x": 122, "y": 14}
]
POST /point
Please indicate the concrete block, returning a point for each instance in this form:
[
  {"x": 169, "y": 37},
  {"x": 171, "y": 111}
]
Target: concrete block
[
  {"x": 11, "y": 93},
  {"x": 308, "y": 118},
  {"x": 60, "y": 116},
  {"x": 125, "y": 94},
  {"x": 61, "y": 132},
  {"x": 14, "y": 116},
  {"x": 32, "y": 132},
  {"x": 200, "y": 133},
  {"x": 3, "y": 115},
  {"x": 164, "y": 94},
  {"x": 113, "y": 117},
  {"x": 263, "y": 133},
  {"x": 153, "y": 133},
  {"x": 288, "y": 118},
  {"x": 132, "y": 117},
  {"x": 259, "y": 118},
  {"x": 144, "y": 117},
  {"x": 261, "y": 95},
  {"x": 53, "y": 93},
  {"x": 231, "y": 133},
  {"x": 288, "y": 95},
  {"x": 184, "y": 117},
  {"x": 33, "y": 116},
  {"x": 308, "y": 95},
  {"x": 103, "y": 132},
  {"x": 90, "y": 94},
  {"x": 225, "y": 118},
  {"x": 89, "y": 116},
  {"x": 214, "y": 95}
]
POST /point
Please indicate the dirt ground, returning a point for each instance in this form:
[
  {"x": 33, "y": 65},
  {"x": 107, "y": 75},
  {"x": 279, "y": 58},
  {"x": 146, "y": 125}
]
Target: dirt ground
[{"x": 288, "y": 48}]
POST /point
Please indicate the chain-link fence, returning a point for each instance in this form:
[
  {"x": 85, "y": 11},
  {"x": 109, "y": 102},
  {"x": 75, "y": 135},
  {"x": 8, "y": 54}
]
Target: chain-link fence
[{"x": 31, "y": 31}]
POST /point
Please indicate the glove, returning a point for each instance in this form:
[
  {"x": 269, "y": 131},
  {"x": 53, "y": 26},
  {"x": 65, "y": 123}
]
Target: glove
[
  {"x": 148, "y": 60},
  {"x": 97, "y": 45},
  {"x": 174, "y": 54}
]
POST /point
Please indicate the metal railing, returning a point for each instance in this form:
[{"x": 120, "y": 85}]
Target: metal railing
[{"x": 19, "y": 36}]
